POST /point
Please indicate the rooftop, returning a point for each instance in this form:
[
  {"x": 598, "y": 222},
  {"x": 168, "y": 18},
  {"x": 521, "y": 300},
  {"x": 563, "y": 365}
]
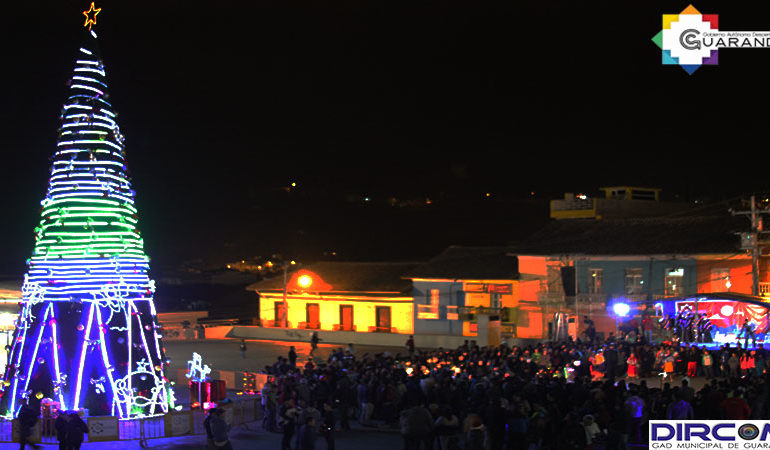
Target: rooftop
[
  {"x": 352, "y": 277},
  {"x": 640, "y": 236},
  {"x": 470, "y": 263}
]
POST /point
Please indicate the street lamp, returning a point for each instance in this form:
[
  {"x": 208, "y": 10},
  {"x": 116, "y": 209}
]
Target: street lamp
[
  {"x": 305, "y": 281},
  {"x": 285, "y": 312}
]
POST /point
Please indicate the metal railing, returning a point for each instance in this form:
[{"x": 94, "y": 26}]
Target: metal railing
[
  {"x": 554, "y": 298},
  {"x": 238, "y": 413}
]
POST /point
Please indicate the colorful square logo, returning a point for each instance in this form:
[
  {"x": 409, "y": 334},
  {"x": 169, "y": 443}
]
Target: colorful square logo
[{"x": 681, "y": 39}]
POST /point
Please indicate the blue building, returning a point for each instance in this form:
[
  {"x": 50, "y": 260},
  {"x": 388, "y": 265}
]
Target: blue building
[
  {"x": 469, "y": 292},
  {"x": 590, "y": 264}
]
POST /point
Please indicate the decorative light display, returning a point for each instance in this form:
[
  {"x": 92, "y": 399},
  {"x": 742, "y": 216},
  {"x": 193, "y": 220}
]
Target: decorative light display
[
  {"x": 87, "y": 335},
  {"x": 621, "y": 309},
  {"x": 91, "y": 20},
  {"x": 198, "y": 373},
  {"x": 196, "y": 370}
]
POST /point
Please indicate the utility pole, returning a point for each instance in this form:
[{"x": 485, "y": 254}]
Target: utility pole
[
  {"x": 750, "y": 241},
  {"x": 285, "y": 312}
]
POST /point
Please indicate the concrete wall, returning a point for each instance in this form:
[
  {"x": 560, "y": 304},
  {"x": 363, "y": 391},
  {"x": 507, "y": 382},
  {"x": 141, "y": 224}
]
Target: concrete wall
[
  {"x": 176, "y": 318},
  {"x": 345, "y": 337},
  {"x": 172, "y": 324}
]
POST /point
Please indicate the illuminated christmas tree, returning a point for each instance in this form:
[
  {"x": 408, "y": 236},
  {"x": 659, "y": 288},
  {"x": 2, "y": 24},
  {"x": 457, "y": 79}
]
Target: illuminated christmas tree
[{"x": 87, "y": 334}]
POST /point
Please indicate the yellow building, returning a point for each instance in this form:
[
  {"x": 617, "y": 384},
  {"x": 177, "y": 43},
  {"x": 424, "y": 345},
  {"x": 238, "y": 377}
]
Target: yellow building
[
  {"x": 339, "y": 296},
  {"x": 10, "y": 299}
]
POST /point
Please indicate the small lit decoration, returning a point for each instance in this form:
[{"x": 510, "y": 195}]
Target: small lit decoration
[
  {"x": 196, "y": 370},
  {"x": 86, "y": 335},
  {"x": 198, "y": 373},
  {"x": 91, "y": 20}
]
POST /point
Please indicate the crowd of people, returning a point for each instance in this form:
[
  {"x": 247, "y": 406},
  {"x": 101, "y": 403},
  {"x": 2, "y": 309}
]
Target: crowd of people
[{"x": 582, "y": 394}]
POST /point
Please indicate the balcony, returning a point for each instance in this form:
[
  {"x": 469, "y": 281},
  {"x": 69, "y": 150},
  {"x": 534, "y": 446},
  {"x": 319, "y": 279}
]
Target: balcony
[
  {"x": 427, "y": 311},
  {"x": 573, "y": 208},
  {"x": 556, "y": 299},
  {"x": 473, "y": 310}
]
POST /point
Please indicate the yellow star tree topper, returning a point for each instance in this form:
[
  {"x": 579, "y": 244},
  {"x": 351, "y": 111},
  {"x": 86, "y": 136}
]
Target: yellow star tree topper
[{"x": 91, "y": 20}]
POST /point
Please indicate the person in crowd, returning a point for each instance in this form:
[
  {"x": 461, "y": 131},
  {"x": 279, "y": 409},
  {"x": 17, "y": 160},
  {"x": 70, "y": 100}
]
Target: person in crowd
[
  {"x": 327, "y": 427},
  {"x": 207, "y": 428},
  {"x": 307, "y": 411},
  {"x": 680, "y": 409},
  {"x": 447, "y": 427},
  {"x": 735, "y": 406},
  {"x": 633, "y": 366},
  {"x": 269, "y": 406},
  {"x": 219, "y": 429},
  {"x": 669, "y": 361},
  {"x": 410, "y": 345},
  {"x": 288, "y": 422},
  {"x": 634, "y": 405},
  {"x": 60, "y": 425},
  {"x": 75, "y": 430},
  {"x": 592, "y": 432},
  {"x": 306, "y": 434},
  {"x": 28, "y": 418},
  {"x": 242, "y": 348},
  {"x": 292, "y": 357},
  {"x": 314, "y": 340},
  {"x": 707, "y": 363},
  {"x": 691, "y": 357},
  {"x": 687, "y": 393},
  {"x": 416, "y": 427},
  {"x": 474, "y": 433},
  {"x": 732, "y": 365}
]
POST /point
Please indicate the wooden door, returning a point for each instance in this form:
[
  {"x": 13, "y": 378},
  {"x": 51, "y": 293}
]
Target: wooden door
[
  {"x": 346, "y": 317},
  {"x": 313, "y": 316},
  {"x": 279, "y": 314}
]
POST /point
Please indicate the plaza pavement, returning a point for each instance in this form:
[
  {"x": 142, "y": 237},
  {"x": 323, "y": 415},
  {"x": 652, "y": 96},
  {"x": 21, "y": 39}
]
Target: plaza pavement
[{"x": 253, "y": 437}]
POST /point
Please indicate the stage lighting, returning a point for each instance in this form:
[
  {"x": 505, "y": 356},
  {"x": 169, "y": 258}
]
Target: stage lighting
[{"x": 621, "y": 309}]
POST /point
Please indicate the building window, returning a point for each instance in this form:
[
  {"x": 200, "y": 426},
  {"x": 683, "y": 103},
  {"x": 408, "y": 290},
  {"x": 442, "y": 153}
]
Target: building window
[
  {"x": 634, "y": 281},
  {"x": 674, "y": 282},
  {"x": 595, "y": 281},
  {"x": 494, "y": 301},
  {"x": 451, "y": 313},
  {"x": 720, "y": 280},
  {"x": 430, "y": 309}
]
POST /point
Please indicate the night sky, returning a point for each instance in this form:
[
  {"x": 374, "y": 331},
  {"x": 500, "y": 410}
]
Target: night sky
[{"x": 226, "y": 103}]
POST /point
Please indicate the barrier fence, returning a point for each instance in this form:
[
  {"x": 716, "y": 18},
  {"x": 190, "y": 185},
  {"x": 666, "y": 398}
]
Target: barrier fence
[{"x": 107, "y": 428}]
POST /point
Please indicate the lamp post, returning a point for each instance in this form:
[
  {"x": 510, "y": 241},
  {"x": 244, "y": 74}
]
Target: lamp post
[{"x": 285, "y": 312}]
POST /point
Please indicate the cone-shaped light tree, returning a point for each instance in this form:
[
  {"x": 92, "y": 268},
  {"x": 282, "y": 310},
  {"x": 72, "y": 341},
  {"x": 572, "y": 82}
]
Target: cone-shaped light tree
[{"x": 88, "y": 334}]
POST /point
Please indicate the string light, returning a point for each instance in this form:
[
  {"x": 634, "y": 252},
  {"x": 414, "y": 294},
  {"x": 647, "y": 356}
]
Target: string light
[{"x": 88, "y": 308}]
